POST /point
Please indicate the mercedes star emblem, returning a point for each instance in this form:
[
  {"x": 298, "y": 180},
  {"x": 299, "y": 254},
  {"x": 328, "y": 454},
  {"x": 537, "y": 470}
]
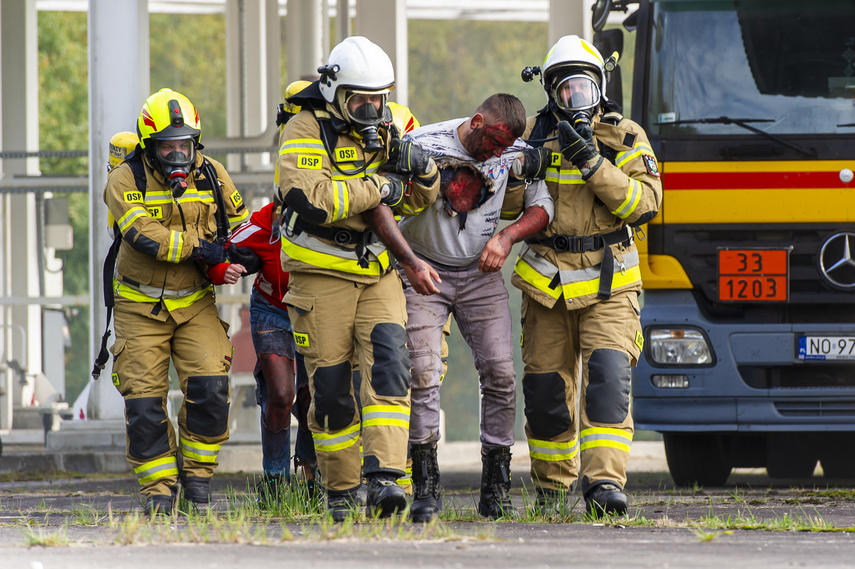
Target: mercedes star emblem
[{"x": 835, "y": 260}]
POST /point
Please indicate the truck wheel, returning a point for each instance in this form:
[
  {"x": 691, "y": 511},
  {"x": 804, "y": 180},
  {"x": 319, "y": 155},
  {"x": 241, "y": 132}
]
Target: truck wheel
[
  {"x": 696, "y": 459},
  {"x": 790, "y": 456},
  {"x": 836, "y": 457}
]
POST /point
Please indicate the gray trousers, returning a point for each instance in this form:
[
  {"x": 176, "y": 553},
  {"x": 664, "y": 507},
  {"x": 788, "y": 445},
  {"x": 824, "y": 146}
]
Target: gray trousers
[{"x": 479, "y": 303}]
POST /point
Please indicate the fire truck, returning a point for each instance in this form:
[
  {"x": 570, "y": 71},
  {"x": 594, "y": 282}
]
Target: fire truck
[{"x": 749, "y": 268}]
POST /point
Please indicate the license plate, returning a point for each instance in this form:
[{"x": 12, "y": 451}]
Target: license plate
[
  {"x": 827, "y": 347},
  {"x": 753, "y": 275}
]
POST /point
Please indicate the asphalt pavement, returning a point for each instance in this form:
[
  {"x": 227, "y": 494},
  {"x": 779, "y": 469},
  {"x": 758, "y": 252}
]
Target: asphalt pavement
[{"x": 754, "y": 521}]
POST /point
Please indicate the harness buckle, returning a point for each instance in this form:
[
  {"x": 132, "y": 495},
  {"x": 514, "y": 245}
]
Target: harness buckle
[
  {"x": 560, "y": 243},
  {"x": 342, "y": 237}
]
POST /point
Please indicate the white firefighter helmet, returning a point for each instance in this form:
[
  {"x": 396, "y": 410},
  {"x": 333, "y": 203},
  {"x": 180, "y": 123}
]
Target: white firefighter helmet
[
  {"x": 573, "y": 56},
  {"x": 356, "y": 66}
]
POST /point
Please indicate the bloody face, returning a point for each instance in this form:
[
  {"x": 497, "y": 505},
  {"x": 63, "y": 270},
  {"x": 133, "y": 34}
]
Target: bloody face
[{"x": 489, "y": 140}]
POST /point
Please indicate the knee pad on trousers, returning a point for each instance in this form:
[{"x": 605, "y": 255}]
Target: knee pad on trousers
[
  {"x": 607, "y": 396},
  {"x": 207, "y": 405},
  {"x": 148, "y": 434},
  {"x": 546, "y": 404},
  {"x": 334, "y": 407},
  {"x": 390, "y": 374}
]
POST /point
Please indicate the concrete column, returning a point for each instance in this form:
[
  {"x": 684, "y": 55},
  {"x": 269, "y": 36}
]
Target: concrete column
[
  {"x": 252, "y": 73},
  {"x": 118, "y": 87},
  {"x": 570, "y": 17},
  {"x": 306, "y": 47},
  {"x": 342, "y": 20},
  {"x": 20, "y": 326},
  {"x": 385, "y": 23}
]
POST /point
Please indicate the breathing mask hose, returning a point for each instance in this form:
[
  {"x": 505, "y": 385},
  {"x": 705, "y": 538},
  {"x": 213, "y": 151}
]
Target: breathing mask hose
[{"x": 220, "y": 216}]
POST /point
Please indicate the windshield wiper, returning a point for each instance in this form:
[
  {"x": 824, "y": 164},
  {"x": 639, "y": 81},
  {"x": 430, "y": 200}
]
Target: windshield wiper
[
  {"x": 847, "y": 124},
  {"x": 744, "y": 124}
]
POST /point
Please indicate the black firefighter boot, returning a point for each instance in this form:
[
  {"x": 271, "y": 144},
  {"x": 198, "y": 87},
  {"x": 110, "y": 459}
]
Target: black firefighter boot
[
  {"x": 496, "y": 483},
  {"x": 426, "y": 493},
  {"x": 605, "y": 497},
  {"x": 385, "y": 497}
]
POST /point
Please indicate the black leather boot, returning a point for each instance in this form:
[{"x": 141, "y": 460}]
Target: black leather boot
[
  {"x": 496, "y": 483},
  {"x": 385, "y": 497},
  {"x": 426, "y": 493},
  {"x": 341, "y": 504},
  {"x": 605, "y": 498},
  {"x": 197, "y": 490}
]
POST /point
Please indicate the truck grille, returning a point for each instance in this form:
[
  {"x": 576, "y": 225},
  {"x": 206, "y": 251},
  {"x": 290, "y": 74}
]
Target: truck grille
[
  {"x": 816, "y": 408},
  {"x": 802, "y": 376},
  {"x": 811, "y": 298}
]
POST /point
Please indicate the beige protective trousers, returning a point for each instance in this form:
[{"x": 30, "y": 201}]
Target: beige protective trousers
[
  {"x": 600, "y": 340},
  {"x": 336, "y": 321},
  {"x": 201, "y": 352}
]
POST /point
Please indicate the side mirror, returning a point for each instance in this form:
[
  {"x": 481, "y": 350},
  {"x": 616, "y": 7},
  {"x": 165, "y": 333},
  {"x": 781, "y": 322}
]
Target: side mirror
[{"x": 600, "y": 13}]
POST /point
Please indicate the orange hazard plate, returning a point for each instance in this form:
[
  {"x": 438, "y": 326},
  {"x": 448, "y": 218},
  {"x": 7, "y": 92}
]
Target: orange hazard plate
[{"x": 753, "y": 275}]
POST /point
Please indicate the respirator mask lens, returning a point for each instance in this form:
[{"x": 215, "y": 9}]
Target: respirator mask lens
[{"x": 577, "y": 93}]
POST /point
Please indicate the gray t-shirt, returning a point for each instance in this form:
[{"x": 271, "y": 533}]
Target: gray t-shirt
[{"x": 436, "y": 235}]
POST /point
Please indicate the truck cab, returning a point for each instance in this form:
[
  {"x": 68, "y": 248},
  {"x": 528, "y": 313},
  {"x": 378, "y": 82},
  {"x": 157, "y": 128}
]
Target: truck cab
[{"x": 749, "y": 268}]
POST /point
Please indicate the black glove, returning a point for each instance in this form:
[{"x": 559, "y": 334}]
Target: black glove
[
  {"x": 210, "y": 253},
  {"x": 531, "y": 163},
  {"x": 391, "y": 190},
  {"x": 578, "y": 147},
  {"x": 406, "y": 157},
  {"x": 246, "y": 257}
]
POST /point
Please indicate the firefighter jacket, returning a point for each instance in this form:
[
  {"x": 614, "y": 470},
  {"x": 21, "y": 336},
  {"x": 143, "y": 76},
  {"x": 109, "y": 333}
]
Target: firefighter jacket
[
  {"x": 335, "y": 238},
  {"x": 568, "y": 258},
  {"x": 160, "y": 234}
]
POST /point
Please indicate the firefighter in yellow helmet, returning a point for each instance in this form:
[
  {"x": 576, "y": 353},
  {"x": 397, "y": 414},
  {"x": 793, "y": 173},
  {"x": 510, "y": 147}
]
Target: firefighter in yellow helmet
[
  {"x": 340, "y": 172},
  {"x": 171, "y": 202},
  {"x": 580, "y": 281}
]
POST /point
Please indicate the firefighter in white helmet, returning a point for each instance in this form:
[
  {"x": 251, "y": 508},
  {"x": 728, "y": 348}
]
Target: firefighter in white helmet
[
  {"x": 342, "y": 167},
  {"x": 580, "y": 280}
]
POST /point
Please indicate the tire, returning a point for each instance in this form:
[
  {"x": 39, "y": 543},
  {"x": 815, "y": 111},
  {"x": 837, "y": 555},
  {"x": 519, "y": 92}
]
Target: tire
[
  {"x": 836, "y": 456},
  {"x": 790, "y": 456},
  {"x": 696, "y": 459}
]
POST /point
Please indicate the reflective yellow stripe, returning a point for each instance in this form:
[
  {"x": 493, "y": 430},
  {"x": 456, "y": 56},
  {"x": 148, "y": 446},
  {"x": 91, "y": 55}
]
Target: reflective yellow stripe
[
  {"x": 238, "y": 219},
  {"x": 130, "y": 216},
  {"x": 304, "y": 145},
  {"x": 333, "y": 262},
  {"x": 205, "y": 196},
  {"x": 577, "y": 289},
  {"x": 340, "y": 201},
  {"x": 199, "y": 451},
  {"x": 605, "y": 437},
  {"x": 338, "y": 440},
  {"x": 633, "y": 196},
  {"x": 535, "y": 279},
  {"x": 158, "y": 197},
  {"x": 553, "y": 451},
  {"x": 160, "y": 468},
  {"x": 572, "y": 176},
  {"x": 171, "y": 303},
  {"x": 637, "y": 150},
  {"x": 176, "y": 245},
  {"x": 388, "y": 415}
]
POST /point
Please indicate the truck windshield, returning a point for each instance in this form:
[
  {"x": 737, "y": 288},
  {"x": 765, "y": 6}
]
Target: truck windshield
[{"x": 791, "y": 63}]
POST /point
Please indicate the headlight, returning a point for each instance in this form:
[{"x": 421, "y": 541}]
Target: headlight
[{"x": 679, "y": 346}]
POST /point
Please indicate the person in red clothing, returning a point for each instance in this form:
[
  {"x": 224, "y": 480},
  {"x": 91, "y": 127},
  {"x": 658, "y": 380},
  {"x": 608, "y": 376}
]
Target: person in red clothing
[{"x": 256, "y": 244}]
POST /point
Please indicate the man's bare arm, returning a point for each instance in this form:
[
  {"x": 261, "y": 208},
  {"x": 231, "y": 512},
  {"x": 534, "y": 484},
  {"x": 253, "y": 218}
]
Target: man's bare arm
[
  {"x": 420, "y": 274},
  {"x": 498, "y": 248}
]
